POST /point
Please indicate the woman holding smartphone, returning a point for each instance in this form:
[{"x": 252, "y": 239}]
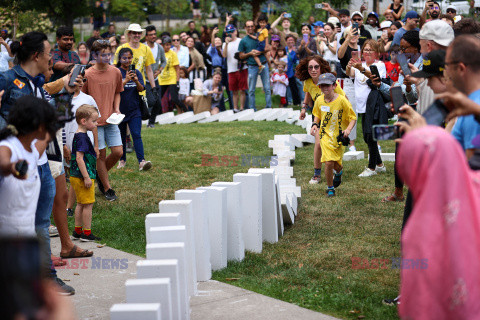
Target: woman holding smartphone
[
  {"x": 328, "y": 44},
  {"x": 306, "y": 44},
  {"x": 130, "y": 107}
]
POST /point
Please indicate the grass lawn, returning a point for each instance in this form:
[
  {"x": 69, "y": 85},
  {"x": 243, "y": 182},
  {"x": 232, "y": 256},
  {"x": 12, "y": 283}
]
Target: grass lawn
[{"x": 311, "y": 265}]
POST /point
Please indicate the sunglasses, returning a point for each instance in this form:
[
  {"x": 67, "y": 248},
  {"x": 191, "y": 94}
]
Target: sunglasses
[
  {"x": 316, "y": 67},
  {"x": 357, "y": 19},
  {"x": 451, "y": 11},
  {"x": 135, "y": 33},
  {"x": 175, "y": 39}
]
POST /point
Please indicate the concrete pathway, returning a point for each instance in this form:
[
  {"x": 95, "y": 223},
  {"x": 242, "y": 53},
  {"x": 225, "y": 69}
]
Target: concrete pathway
[{"x": 100, "y": 282}]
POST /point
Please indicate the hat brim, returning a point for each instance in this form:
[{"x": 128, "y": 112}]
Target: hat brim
[
  {"x": 423, "y": 74},
  {"x": 127, "y": 31},
  {"x": 325, "y": 82}
]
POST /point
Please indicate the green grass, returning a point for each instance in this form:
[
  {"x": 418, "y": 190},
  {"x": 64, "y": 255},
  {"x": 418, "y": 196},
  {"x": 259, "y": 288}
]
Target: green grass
[{"x": 311, "y": 264}]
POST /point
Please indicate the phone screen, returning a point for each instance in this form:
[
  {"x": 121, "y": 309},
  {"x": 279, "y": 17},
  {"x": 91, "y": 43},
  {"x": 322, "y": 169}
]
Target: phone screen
[
  {"x": 20, "y": 276},
  {"x": 77, "y": 70},
  {"x": 355, "y": 28},
  {"x": 374, "y": 70},
  {"x": 356, "y": 56},
  {"x": 305, "y": 37},
  {"x": 385, "y": 132},
  {"x": 396, "y": 95},
  {"x": 436, "y": 113},
  {"x": 402, "y": 60}
]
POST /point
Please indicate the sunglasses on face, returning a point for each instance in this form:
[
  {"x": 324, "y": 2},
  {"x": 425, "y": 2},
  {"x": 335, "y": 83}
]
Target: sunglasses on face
[
  {"x": 175, "y": 39},
  {"x": 357, "y": 19},
  {"x": 316, "y": 67},
  {"x": 135, "y": 33},
  {"x": 451, "y": 11}
]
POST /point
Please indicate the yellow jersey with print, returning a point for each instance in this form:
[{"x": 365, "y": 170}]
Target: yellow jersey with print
[
  {"x": 315, "y": 91},
  {"x": 169, "y": 73},
  {"x": 333, "y": 116}
]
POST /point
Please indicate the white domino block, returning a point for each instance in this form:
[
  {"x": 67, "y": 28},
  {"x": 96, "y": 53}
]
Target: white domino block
[
  {"x": 288, "y": 182},
  {"x": 281, "y": 144},
  {"x": 176, "y": 118},
  {"x": 296, "y": 142},
  {"x": 286, "y": 114},
  {"x": 167, "y": 268},
  {"x": 160, "y": 220},
  {"x": 252, "y": 210},
  {"x": 246, "y": 115},
  {"x": 217, "y": 220},
  {"x": 168, "y": 234},
  {"x": 353, "y": 155},
  {"x": 262, "y": 114},
  {"x": 305, "y": 138},
  {"x": 283, "y": 162},
  {"x": 274, "y": 115},
  {"x": 269, "y": 208},
  {"x": 287, "y": 212},
  {"x": 200, "y": 230},
  {"x": 173, "y": 251},
  {"x": 283, "y": 170},
  {"x": 286, "y": 154},
  {"x": 163, "y": 116},
  {"x": 217, "y": 116},
  {"x": 184, "y": 116},
  {"x": 196, "y": 117},
  {"x": 129, "y": 311},
  {"x": 291, "y": 120},
  {"x": 387, "y": 156},
  {"x": 151, "y": 291},
  {"x": 185, "y": 208},
  {"x": 296, "y": 190},
  {"x": 293, "y": 202},
  {"x": 229, "y": 118},
  {"x": 299, "y": 122},
  {"x": 235, "y": 241},
  {"x": 278, "y": 203},
  {"x": 279, "y": 150},
  {"x": 282, "y": 175}
]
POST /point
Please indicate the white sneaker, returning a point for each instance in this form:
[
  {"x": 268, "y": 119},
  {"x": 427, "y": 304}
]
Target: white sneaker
[
  {"x": 352, "y": 148},
  {"x": 52, "y": 231},
  {"x": 367, "y": 173},
  {"x": 380, "y": 169},
  {"x": 144, "y": 165},
  {"x": 121, "y": 164},
  {"x": 315, "y": 180}
]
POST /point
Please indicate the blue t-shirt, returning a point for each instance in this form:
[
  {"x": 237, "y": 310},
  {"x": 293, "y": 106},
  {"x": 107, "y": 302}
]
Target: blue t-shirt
[
  {"x": 248, "y": 44},
  {"x": 129, "y": 97},
  {"x": 292, "y": 63},
  {"x": 466, "y": 128},
  {"x": 82, "y": 143},
  {"x": 399, "y": 34}
]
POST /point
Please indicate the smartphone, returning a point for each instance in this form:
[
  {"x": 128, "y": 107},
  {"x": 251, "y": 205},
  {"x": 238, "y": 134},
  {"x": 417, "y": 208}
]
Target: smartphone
[
  {"x": 131, "y": 68},
  {"x": 318, "y": 5},
  {"x": 21, "y": 278},
  {"x": 356, "y": 56},
  {"x": 402, "y": 60},
  {"x": 77, "y": 70},
  {"x": 396, "y": 95},
  {"x": 355, "y": 27},
  {"x": 339, "y": 25},
  {"x": 322, "y": 34},
  {"x": 305, "y": 38},
  {"x": 385, "y": 132},
  {"x": 436, "y": 113},
  {"x": 287, "y": 15},
  {"x": 374, "y": 71}
]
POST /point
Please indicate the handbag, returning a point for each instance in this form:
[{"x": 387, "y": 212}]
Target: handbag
[{"x": 144, "y": 107}]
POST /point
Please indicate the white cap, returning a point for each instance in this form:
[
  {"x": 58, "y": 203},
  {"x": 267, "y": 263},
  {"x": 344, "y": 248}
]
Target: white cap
[
  {"x": 451, "y": 6},
  {"x": 333, "y": 20},
  {"x": 356, "y": 13},
  {"x": 385, "y": 24},
  {"x": 135, "y": 27},
  {"x": 438, "y": 31}
]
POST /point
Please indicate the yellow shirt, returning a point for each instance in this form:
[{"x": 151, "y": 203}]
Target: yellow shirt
[
  {"x": 169, "y": 74},
  {"x": 262, "y": 35},
  {"x": 315, "y": 91},
  {"x": 333, "y": 115},
  {"x": 142, "y": 57}
]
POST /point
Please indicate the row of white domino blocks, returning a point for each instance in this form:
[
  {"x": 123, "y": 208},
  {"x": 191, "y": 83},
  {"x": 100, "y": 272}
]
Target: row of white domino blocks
[{"x": 199, "y": 232}]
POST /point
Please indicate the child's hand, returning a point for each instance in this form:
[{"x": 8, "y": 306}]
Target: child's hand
[
  {"x": 97, "y": 151},
  {"x": 87, "y": 182},
  {"x": 313, "y": 130},
  {"x": 302, "y": 114},
  {"x": 346, "y": 133}
]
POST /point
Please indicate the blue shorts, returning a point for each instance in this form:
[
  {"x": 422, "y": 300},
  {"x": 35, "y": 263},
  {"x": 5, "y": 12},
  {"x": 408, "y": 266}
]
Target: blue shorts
[{"x": 109, "y": 135}]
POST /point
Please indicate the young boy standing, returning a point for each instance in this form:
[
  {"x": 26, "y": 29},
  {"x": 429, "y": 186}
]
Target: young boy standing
[
  {"x": 334, "y": 116},
  {"x": 82, "y": 172},
  {"x": 279, "y": 81}
]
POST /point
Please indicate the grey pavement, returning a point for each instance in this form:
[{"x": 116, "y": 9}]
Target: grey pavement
[{"x": 100, "y": 282}]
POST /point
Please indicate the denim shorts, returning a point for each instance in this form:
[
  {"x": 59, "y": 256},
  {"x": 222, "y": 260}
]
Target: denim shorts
[{"x": 109, "y": 135}]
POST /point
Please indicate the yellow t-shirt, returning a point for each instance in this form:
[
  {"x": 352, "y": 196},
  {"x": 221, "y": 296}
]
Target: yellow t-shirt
[
  {"x": 262, "y": 35},
  {"x": 169, "y": 74},
  {"x": 315, "y": 91},
  {"x": 142, "y": 57},
  {"x": 330, "y": 115}
]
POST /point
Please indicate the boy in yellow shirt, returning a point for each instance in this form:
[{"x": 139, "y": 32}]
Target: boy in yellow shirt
[{"x": 334, "y": 118}]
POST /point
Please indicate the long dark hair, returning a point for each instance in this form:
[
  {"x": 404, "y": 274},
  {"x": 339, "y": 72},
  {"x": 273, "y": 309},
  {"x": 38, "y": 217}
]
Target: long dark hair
[
  {"x": 29, "y": 44},
  {"x": 121, "y": 53},
  {"x": 301, "y": 71},
  {"x": 27, "y": 115}
]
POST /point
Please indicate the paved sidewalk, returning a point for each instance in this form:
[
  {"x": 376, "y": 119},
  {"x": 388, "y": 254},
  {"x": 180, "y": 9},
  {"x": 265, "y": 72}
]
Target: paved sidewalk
[{"x": 100, "y": 282}]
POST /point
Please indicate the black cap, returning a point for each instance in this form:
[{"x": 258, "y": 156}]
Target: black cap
[
  {"x": 433, "y": 65},
  {"x": 344, "y": 12}
]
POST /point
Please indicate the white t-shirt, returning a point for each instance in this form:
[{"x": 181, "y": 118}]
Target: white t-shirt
[
  {"x": 18, "y": 198},
  {"x": 154, "y": 50},
  {"x": 279, "y": 88},
  {"x": 362, "y": 90},
  {"x": 232, "y": 63},
  {"x": 43, "y": 158},
  {"x": 72, "y": 126},
  {"x": 184, "y": 86},
  {"x": 4, "y": 60},
  {"x": 183, "y": 56}
]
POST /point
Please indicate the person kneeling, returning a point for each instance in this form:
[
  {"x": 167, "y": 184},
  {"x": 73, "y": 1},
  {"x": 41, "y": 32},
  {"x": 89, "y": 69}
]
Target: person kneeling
[{"x": 335, "y": 118}]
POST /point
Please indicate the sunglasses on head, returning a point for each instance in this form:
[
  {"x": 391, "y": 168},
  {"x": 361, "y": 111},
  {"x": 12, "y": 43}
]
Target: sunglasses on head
[{"x": 103, "y": 41}]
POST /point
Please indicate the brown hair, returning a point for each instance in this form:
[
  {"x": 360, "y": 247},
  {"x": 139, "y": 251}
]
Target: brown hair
[
  {"x": 98, "y": 46},
  {"x": 281, "y": 63},
  {"x": 373, "y": 44},
  {"x": 85, "y": 111},
  {"x": 301, "y": 71},
  {"x": 466, "y": 49},
  {"x": 444, "y": 16},
  {"x": 184, "y": 69},
  {"x": 466, "y": 26}
]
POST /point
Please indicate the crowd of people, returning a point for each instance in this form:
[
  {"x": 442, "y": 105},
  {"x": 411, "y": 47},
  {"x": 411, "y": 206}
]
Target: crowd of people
[{"x": 431, "y": 59}]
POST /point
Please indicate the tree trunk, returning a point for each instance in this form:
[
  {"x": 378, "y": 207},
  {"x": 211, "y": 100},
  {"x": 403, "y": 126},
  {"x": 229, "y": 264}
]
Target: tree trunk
[{"x": 255, "y": 8}]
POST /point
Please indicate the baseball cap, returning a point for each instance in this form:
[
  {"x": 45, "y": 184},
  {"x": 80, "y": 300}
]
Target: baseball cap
[
  {"x": 373, "y": 13},
  {"x": 166, "y": 39},
  {"x": 344, "y": 12},
  {"x": 276, "y": 37},
  {"x": 333, "y": 20},
  {"x": 327, "y": 78},
  {"x": 438, "y": 31},
  {"x": 318, "y": 24},
  {"x": 356, "y": 13},
  {"x": 385, "y": 24},
  {"x": 230, "y": 28},
  {"x": 411, "y": 15},
  {"x": 451, "y": 6},
  {"x": 433, "y": 65}
]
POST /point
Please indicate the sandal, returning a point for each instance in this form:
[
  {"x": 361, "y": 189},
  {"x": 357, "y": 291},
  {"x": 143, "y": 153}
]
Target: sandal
[
  {"x": 74, "y": 254},
  {"x": 392, "y": 198}
]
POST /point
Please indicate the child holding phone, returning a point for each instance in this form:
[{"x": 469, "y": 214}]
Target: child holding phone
[{"x": 334, "y": 116}]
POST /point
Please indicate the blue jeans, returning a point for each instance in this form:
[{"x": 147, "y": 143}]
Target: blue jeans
[
  {"x": 252, "y": 83},
  {"x": 42, "y": 216},
  {"x": 135, "y": 125}
]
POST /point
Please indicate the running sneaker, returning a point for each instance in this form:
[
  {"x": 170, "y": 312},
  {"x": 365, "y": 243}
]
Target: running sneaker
[
  {"x": 110, "y": 195},
  {"x": 330, "y": 193},
  {"x": 121, "y": 164},
  {"x": 367, "y": 173},
  {"x": 150, "y": 126},
  {"x": 337, "y": 179},
  {"x": 380, "y": 169},
  {"x": 89, "y": 238},
  {"x": 76, "y": 235},
  {"x": 144, "y": 165},
  {"x": 315, "y": 180},
  {"x": 65, "y": 289},
  {"x": 352, "y": 148},
  {"x": 52, "y": 231}
]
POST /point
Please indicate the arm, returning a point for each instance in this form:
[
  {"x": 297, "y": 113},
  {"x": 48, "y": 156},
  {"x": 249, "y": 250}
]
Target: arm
[
  {"x": 6, "y": 167},
  {"x": 343, "y": 47},
  {"x": 60, "y": 65},
  {"x": 328, "y": 8},
  {"x": 315, "y": 126},
  {"x": 177, "y": 70},
  {"x": 347, "y": 131},
  {"x": 83, "y": 169},
  {"x": 116, "y": 103},
  {"x": 423, "y": 16},
  {"x": 149, "y": 72},
  {"x": 140, "y": 86},
  {"x": 95, "y": 141},
  {"x": 398, "y": 15},
  {"x": 225, "y": 51},
  {"x": 275, "y": 23},
  {"x": 332, "y": 46},
  {"x": 5, "y": 44},
  {"x": 163, "y": 61}
]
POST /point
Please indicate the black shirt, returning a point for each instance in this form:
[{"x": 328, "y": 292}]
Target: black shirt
[
  {"x": 364, "y": 35},
  {"x": 348, "y": 56}
]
